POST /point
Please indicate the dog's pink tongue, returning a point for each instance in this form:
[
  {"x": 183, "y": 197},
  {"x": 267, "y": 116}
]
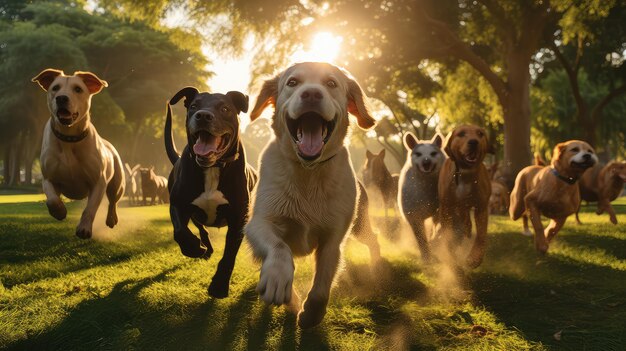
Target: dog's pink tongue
[
  {"x": 311, "y": 142},
  {"x": 206, "y": 144}
]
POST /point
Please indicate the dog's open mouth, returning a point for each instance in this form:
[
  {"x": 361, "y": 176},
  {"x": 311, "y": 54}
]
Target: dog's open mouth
[
  {"x": 208, "y": 144},
  {"x": 310, "y": 133},
  {"x": 65, "y": 116},
  {"x": 428, "y": 167},
  {"x": 471, "y": 157},
  {"x": 584, "y": 164}
]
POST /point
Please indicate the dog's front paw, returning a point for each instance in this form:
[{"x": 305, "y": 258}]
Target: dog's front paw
[
  {"x": 474, "y": 259},
  {"x": 276, "y": 280},
  {"x": 83, "y": 231},
  {"x": 613, "y": 219},
  {"x": 57, "y": 209},
  {"x": 312, "y": 313},
  {"x": 111, "y": 220},
  {"x": 189, "y": 244},
  {"x": 541, "y": 246},
  {"x": 218, "y": 288}
]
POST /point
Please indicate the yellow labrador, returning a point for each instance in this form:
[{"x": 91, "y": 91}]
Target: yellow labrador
[
  {"x": 75, "y": 160},
  {"x": 307, "y": 193}
]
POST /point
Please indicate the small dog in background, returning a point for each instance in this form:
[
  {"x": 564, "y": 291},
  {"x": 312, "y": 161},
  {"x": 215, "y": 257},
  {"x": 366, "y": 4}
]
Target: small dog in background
[
  {"x": 603, "y": 184},
  {"x": 464, "y": 184},
  {"x": 376, "y": 175},
  {"x": 153, "y": 186},
  {"x": 551, "y": 191},
  {"x": 132, "y": 190},
  {"x": 418, "y": 198},
  {"x": 75, "y": 160}
]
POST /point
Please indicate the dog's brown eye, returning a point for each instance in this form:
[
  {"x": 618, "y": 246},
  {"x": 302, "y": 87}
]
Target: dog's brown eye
[
  {"x": 575, "y": 149},
  {"x": 331, "y": 83},
  {"x": 292, "y": 82},
  {"x": 56, "y": 87},
  {"x": 418, "y": 154},
  {"x": 78, "y": 89},
  {"x": 224, "y": 109},
  {"x": 461, "y": 134},
  {"x": 433, "y": 154},
  {"x": 480, "y": 134}
]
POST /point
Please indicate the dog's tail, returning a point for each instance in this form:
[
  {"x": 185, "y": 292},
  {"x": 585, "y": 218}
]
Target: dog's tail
[
  {"x": 539, "y": 161},
  {"x": 168, "y": 135}
]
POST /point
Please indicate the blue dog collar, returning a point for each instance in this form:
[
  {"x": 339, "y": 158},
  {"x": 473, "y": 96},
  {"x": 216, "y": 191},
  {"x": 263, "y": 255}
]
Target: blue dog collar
[{"x": 568, "y": 180}]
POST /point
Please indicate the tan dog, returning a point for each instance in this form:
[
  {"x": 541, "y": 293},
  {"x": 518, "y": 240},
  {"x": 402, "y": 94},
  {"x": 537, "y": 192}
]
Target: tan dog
[
  {"x": 464, "y": 184},
  {"x": 603, "y": 184},
  {"x": 75, "y": 160},
  {"x": 153, "y": 186},
  {"x": 307, "y": 192},
  {"x": 499, "y": 199},
  {"x": 551, "y": 191}
]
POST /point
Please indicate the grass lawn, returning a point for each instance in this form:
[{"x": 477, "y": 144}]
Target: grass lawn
[{"x": 130, "y": 288}]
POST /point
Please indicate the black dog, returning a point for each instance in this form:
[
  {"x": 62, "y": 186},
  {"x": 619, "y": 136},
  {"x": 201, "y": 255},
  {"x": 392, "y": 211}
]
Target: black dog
[{"x": 211, "y": 182}]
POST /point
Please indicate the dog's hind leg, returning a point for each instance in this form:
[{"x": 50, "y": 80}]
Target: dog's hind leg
[
  {"x": 204, "y": 237},
  {"x": 553, "y": 228},
  {"x": 115, "y": 191},
  {"x": 326, "y": 263},
  {"x": 221, "y": 280},
  {"x": 362, "y": 228},
  {"x": 56, "y": 208}
]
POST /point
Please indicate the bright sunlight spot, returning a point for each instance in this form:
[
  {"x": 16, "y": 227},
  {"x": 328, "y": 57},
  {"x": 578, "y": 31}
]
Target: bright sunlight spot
[{"x": 324, "y": 47}]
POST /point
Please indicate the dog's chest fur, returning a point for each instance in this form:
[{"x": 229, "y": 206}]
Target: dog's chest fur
[
  {"x": 211, "y": 197},
  {"x": 419, "y": 191}
]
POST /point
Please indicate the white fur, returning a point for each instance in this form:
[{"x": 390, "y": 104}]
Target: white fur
[{"x": 211, "y": 197}]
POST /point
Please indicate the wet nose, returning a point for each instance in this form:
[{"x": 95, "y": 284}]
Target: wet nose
[
  {"x": 426, "y": 162},
  {"x": 587, "y": 157},
  {"x": 204, "y": 116},
  {"x": 472, "y": 143},
  {"x": 312, "y": 95},
  {"x": 62, "y": 100}
]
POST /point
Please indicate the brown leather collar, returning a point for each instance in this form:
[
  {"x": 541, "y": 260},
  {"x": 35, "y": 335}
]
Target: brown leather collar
[{"x": 69, "y": 138}]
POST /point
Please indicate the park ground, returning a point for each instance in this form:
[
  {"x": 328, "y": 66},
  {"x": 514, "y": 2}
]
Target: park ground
[{"x": 130, "y": 288}]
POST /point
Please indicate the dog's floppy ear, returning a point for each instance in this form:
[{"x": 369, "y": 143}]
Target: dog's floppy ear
[
  {"x": 240, "y": 100},
  {"x": 437, "y": 140},
  {"x": 189, "y": 93},
  {"x": 357, "y": 105},
  {"x": 448, "y": 145},
  {"x": 267, "y": 96},
  {"x": 46, "y": 77},
  {"x": 556, "y": 154},
  {"x": 409, "y": 141},
  {"x": 93, "y": 83}
]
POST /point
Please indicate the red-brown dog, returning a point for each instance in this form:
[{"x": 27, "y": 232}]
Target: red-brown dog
[
  {"x": 464, "y": 184},
  {"x": 603, "y": 184},
  {"x": 551, "y": 191}
]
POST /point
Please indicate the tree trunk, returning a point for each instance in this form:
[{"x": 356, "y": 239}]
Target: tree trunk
[
  {"x": 7, "y": 160},
  {"x": 516, "y": 108},
  {"x": 14, "y": 165}
]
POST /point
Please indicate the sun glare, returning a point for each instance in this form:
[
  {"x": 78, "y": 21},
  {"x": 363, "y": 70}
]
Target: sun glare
[{"x": 324, "y": 47}]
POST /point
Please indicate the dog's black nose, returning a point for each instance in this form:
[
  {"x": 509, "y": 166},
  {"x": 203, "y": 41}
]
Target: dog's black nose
[
  {"x": 204, "y": 115},
  {"x": 312, "y": 95},
  {"x": 426, "y": 163},
  {"x": 472, "y": 143},
  {"x": 62, "y": 100},
  {"x": 587, "y": 157}
]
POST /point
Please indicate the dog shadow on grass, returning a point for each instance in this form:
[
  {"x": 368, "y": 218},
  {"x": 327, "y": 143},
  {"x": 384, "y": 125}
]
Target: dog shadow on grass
[{"x": 542, "y": 296}]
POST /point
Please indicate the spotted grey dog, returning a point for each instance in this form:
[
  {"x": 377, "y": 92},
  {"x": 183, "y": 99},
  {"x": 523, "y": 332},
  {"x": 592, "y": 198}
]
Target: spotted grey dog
[{"x": 417, "y": 198}]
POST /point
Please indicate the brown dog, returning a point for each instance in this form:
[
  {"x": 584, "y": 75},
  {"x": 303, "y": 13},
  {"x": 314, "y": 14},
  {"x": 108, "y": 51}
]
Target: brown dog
[
  {"x": 153, "y": 186},
  {"x": 551, "y": 191},
  {"x": 603, "y": 184},
  {"x": 75, "y": 160},
  {"x": 464, "y": 184},
  {"x": 376, "y": 174}
]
